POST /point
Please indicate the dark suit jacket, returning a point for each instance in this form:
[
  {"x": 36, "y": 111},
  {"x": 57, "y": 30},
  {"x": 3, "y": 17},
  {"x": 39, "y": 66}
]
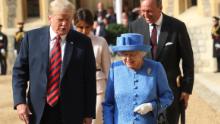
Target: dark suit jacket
[
  {"x": 17, "y": 40},
  {"x": 3, "y": 41},
  {"x": 78, "y": 81},
  {"x": 173, "y": 45}
]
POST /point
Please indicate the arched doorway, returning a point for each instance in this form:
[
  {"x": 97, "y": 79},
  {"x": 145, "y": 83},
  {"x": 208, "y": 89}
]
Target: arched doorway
[
  {"x": 77, "y": 4},
  {"x": 33, "y": 8},
  {"x": 194, "y": 2}
]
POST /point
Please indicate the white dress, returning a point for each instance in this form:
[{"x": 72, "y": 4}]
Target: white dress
[{"x": 103, "y": 61}]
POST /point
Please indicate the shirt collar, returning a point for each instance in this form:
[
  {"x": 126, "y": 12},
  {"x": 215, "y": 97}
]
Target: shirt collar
[
  {"x": 53, "y": 35},
  {"x": 91, "y": 34}
]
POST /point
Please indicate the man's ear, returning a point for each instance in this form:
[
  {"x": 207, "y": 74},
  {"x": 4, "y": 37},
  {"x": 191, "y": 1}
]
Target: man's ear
[
  {"x": 161, "y": 7},
  {"x": 49, "y": 18}
]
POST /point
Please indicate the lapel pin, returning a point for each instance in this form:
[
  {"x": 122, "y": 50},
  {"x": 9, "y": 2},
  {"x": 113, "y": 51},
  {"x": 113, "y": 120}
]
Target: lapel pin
[{"x": 71, "y": 43}]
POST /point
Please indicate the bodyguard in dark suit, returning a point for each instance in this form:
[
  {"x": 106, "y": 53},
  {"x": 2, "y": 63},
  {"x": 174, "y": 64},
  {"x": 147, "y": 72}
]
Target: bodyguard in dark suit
[
  {"x": 3, "y": 52},
  {"x": 170, "y": 44},
  {"x": 59, "y": 65},
  {"x": 19, "y": 35}
]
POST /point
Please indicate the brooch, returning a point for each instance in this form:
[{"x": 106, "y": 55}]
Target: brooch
[{"x": 149, "y": 71}]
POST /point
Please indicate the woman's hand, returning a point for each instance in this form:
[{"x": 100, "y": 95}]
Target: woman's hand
[{"x": 143, "y": 108}]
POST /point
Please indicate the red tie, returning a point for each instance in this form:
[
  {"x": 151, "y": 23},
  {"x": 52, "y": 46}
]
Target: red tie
[
  {"x": 54, "y": 73},
  {"x": 154, "y": 41}
]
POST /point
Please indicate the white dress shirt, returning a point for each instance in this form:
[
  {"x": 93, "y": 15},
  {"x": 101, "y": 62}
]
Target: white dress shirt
[
  {"x": 158, "y": 26},
  {"x": 52, "y": 41}
]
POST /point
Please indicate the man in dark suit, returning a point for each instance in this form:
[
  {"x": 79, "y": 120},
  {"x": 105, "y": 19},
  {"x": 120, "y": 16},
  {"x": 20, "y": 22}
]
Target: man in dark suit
[
  {"x": 100, "y": 13},
  {"x": 59, "y": 65},
  {"x": 170, "y": 44},
  {"x": 19, "y": 35},
  {"x": 3, "y": 52}
]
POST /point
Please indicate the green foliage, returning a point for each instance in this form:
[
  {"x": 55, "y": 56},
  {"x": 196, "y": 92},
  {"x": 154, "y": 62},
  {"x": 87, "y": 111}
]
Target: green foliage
[{"x": 113, "y": 31}]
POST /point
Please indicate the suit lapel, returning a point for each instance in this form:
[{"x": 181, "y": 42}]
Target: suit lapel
[
  {"x": 163, "y": 36},
  {"x": 68, "y": 52},
  {"x": 145, "y": 29},
  {"x": 148, "y": 34},
  {"x": 44, "y": 40}
]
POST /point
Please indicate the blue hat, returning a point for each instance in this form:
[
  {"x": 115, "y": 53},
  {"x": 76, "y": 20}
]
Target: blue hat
[{"x": 130, "y": 42}]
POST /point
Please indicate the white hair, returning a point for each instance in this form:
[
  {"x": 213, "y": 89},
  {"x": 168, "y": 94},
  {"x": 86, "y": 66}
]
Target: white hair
[
  {"x": 141, "y": 53},
  {"x": 61, "y": 5}
]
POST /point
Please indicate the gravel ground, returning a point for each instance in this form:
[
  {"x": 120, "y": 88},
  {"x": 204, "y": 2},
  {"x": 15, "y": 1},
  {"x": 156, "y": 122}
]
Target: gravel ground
[{"x": 198, "y": 112}]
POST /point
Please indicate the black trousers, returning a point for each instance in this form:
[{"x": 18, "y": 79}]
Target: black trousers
[
  {"x": 52, "y": 115},
  {"x": 3, "y": 63},
  {"x": 173, "y": 111},
  {"x": 218, "y": 64}
]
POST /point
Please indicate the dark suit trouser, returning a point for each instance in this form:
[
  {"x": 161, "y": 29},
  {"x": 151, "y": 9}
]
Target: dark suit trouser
[
  {"x": 173, "y": 112},
  {"x": 3, "y": 64},
  {"x": 52, "y": 115},
  {"x": 218, "y": 64}
]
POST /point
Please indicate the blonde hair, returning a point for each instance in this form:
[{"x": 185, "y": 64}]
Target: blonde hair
[{"x": 61, "y": 5}]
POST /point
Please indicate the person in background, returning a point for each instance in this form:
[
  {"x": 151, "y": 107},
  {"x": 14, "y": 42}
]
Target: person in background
[
  {"x": 136, "y": 13},
  {"x": 56, "y": 66},
  {"x": 83, "y": 21},
  {"x": 99, "y": 28},
  {"x": 170, "y": 43},
  {"x": 99, "y": 18},
  {"x": 215, "y": 33},
  {"x": 19, "y": 35},
  {"x": 3, "y": 52},
  {"x": 125, "y": 21},
  {"x": 137, "y": 88},
  {"x": 100, "y": 13},
  {"x": 111, "y": 16}
]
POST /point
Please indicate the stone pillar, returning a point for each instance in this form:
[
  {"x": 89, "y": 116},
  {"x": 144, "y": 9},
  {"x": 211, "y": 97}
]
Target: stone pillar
[
  {"x": 11, "y": 13},
  {"x": 118, "y": 10},
  {"x": 204, "y": 7},
  {"x": 168, "y": 7},
  {"x": 20, "y": 11},
  {"x": 3, "y": 13},
  {"x": 214, "y": 8},
  {"x": 44, "y": 6},
  {"x": 165, "y": 6},
  {"x": 188, "y": 4},
  {"x": 179, "y": 7}
]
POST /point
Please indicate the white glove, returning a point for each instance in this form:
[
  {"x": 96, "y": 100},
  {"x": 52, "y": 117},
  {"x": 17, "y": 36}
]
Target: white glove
[
  {"x": 217, "y": 45},
  {"x": 3, "y": 52},
  {"x": 15, "y": 52},
  {"x": 143, "y": 108}
]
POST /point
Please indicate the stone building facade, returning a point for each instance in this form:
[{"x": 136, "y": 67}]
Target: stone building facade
[
  {"x": 204, "y": 7},
  {"x": 12, "y": 11}
]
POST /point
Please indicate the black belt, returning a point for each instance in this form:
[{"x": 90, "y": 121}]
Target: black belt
[{"x": 98, "y": 69}]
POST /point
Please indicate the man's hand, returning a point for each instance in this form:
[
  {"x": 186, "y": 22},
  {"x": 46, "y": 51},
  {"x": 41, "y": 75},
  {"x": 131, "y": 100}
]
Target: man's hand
[
  {"x": 87, "y": 121},
  {"x": 185, "y": 97},
  {"x": 23, "y": 112},
  {"x": 143, "y": 108}
]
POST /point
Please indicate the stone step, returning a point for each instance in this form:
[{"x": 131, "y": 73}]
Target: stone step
[{"x": 207, "y": 86}]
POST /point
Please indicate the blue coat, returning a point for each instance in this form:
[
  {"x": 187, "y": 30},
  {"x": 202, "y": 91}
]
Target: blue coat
[
  {"x": 78, "y": 82},
  {"x": 127, "y": 88}
]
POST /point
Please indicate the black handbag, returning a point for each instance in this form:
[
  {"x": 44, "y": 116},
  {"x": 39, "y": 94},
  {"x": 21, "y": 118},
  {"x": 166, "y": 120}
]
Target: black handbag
[{"x": 162, "y": 118}]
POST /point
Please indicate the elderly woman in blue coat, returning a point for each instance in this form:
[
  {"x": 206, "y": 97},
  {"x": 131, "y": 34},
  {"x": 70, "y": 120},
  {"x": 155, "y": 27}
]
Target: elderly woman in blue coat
[{"x": 137, "y": 88}]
